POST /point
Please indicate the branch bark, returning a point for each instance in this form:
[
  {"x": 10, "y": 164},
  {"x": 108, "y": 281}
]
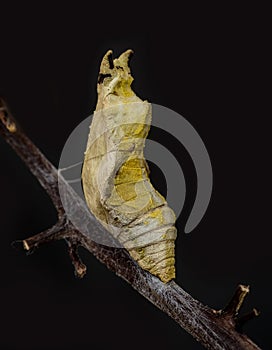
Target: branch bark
[{"x": 213, "y": 329}]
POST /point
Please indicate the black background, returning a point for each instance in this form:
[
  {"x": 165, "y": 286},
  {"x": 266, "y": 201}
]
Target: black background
[{"x": 210, "y": 65}]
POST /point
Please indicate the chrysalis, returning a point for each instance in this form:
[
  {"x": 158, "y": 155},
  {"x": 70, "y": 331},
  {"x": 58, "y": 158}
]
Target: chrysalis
[{"x": 115, "y": 175}]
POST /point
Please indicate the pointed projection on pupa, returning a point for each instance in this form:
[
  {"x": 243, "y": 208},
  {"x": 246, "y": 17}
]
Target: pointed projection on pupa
[{"x": 115, "y": 174}]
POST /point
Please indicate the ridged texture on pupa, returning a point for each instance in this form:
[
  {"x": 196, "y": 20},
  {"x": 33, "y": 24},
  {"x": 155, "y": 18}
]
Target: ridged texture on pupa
[{"x": 115, "y": 175}]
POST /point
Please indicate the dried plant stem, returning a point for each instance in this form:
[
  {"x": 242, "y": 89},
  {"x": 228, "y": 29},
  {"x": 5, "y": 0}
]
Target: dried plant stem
[{"x": 213, "y": 329}]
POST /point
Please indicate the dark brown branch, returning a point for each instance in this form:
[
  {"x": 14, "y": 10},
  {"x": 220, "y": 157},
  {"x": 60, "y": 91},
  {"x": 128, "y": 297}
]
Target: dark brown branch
[
  {"x": 241, "y": 321},
  {"x": 236, "y": 301},
  {"x": 213, "y": 329},
  {"x": 57, "y": 231},
  {"x": 80, "y": 268}
]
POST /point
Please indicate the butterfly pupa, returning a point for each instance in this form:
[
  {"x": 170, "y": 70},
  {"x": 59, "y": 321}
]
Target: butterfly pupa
[{"x": 115, "y": 175}]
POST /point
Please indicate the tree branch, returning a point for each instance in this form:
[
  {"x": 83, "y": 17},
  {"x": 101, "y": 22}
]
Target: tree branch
[
  {"x": 236, "y": 301},
  {"x": 213, "y": 329}
]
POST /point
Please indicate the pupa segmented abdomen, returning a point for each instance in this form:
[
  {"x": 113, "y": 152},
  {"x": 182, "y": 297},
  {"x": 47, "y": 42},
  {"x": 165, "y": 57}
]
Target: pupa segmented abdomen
[{"x": 115, "y": 175}]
